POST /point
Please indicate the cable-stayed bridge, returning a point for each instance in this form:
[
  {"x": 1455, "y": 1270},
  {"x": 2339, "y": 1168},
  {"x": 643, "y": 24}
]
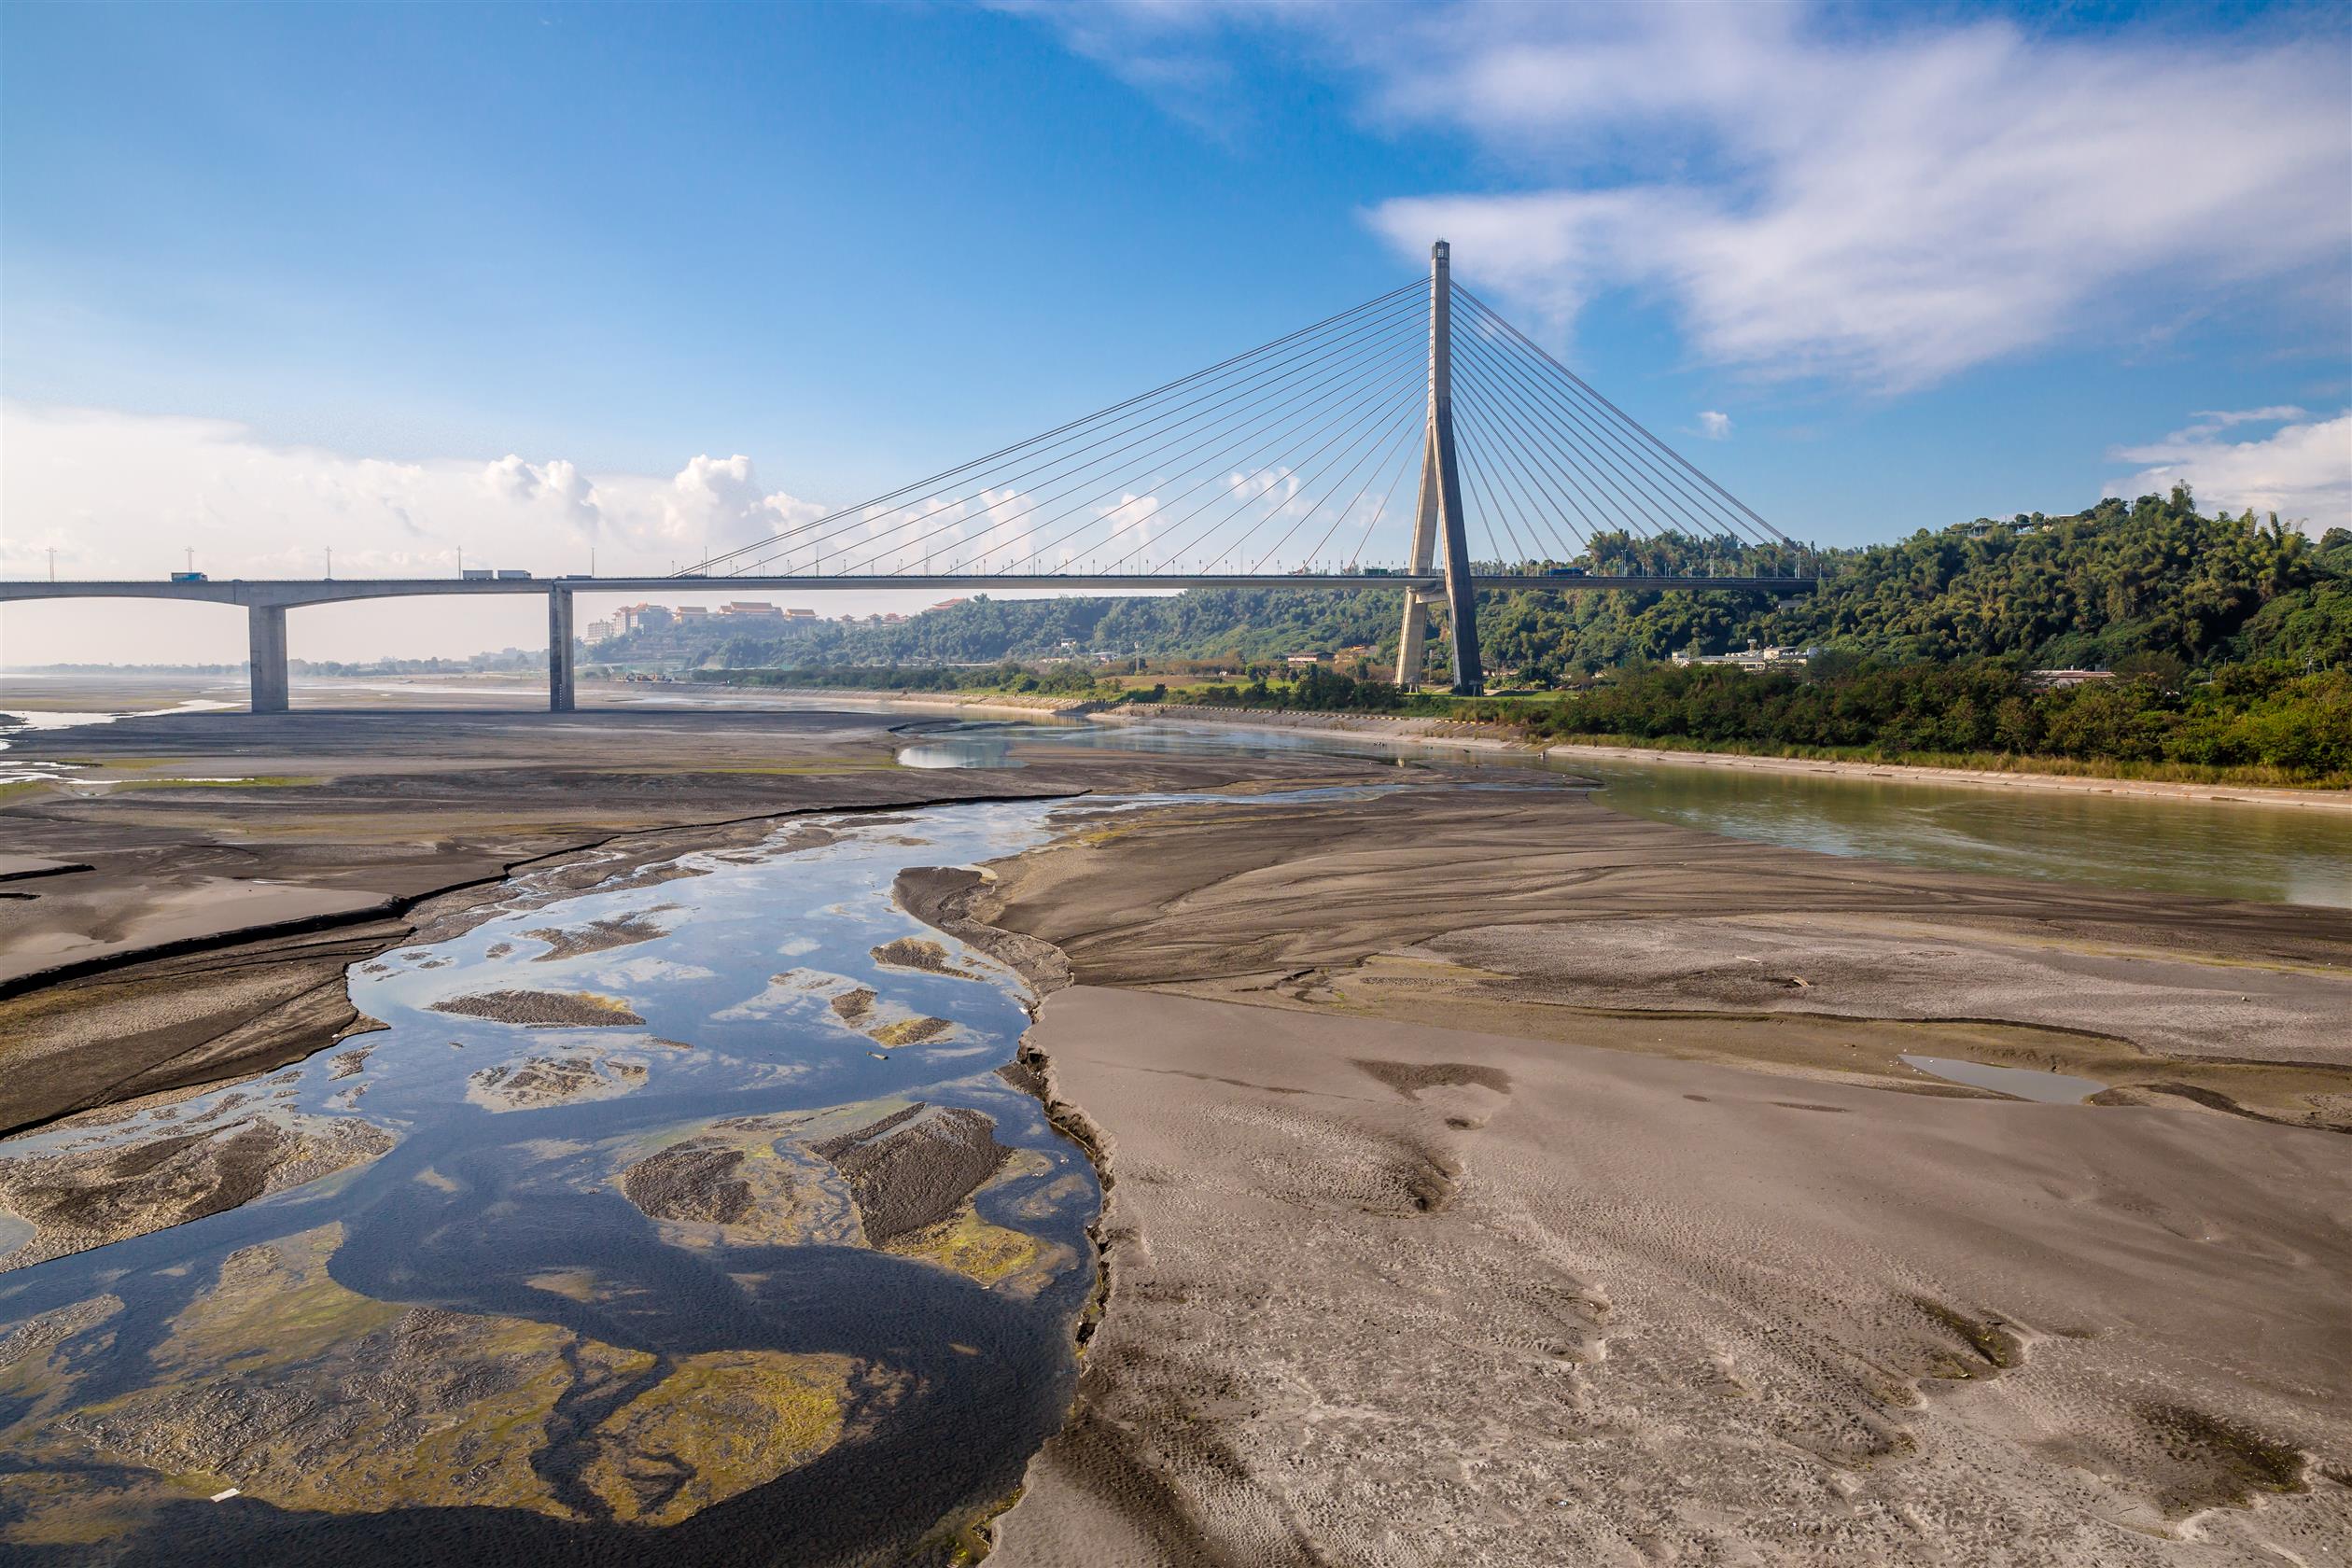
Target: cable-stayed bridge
[{"x": 1411, "y": 429}]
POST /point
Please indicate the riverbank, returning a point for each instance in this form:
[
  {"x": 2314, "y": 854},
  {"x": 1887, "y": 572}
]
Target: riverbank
[
  {"x": 1022, "y": 704},
  {"x": 1590, "y": 1204},
  {"x": 1491, "y": 1172},
  {"x": 1451, "y": 734}
]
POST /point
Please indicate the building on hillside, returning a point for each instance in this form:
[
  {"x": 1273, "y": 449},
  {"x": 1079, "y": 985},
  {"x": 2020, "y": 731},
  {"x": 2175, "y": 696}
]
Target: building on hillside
[
  {"x": 693, "y": 615},
  {"x": 751, "y": 609},
  {"x": 949, "y": 604},
  {"x": 631, "y": 619},
  {"x": 1302, "y": 661},
  {"x": 802, "y": 615},
  {"x": 598, "y": 631},
  {"x": 2052, "y": 680},
  {"x": 1754, "y": 658}
]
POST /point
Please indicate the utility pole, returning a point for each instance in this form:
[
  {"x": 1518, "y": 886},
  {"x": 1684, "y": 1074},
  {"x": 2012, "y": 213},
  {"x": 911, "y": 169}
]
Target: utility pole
[
  {"x": 52, "y": 550},
  {"x": 330, "y": 563},
  {"x": 1439, "y": 511},
  {"x": 191, "y": 557}
]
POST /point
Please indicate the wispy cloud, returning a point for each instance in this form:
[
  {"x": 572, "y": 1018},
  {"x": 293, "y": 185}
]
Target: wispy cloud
[
  {"x": 1714, "y": 425},
  {"x": 1885, "y": 207},
  {"x": 2302, "y": 470}
]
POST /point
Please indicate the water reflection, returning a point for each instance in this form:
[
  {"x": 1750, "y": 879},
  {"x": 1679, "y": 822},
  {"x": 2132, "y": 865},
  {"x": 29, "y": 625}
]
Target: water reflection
[
  {"x": 2025, "y": 1083},
  {"x": 2227, "y": 850},
  {"x": 2273, "y": 854},
  {"x": 652, "y": 1215}
]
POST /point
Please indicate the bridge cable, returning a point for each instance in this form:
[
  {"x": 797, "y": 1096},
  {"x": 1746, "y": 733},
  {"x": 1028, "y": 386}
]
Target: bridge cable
[
  {"x": 1524, "y": 463},
  {"x": 1140, "y": 398},
  {"x": 1380, "y": 440},
  {"x": 1472, "y": 421},
  {"x": 1715, "y": 496},
  {"x": 1627, "y": 422},
  {"x": 1222, "y": 441},
  {"x": 1304, "y": 362},
  {"x": 1374, "y": 422},
  {"x": 1378, "y": 374},
  {"x": 1232, "y": 495},
  {"x": 1605, "y": 490},
  {"x": 1242, "y": 505},
  {"x": 1383, "y": 454}
]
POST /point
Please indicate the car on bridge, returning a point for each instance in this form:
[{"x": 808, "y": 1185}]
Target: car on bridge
[{"x": 190, "y": 576}]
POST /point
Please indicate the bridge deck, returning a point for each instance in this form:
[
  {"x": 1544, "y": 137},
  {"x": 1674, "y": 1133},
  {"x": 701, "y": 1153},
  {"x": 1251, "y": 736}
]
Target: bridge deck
[
  {"x": 290, "y": 592},
  {"x": 266, "y": 601}
]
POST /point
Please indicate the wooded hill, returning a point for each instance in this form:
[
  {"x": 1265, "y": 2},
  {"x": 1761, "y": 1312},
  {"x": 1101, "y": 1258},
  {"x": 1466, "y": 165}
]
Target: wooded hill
[{"x": 2153, "y": 578}]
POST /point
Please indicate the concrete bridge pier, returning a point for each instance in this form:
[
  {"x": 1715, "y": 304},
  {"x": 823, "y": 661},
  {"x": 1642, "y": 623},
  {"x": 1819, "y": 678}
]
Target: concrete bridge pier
[
  {"x": 559, "y": 650},
  {"x": 265, "y": 627}
]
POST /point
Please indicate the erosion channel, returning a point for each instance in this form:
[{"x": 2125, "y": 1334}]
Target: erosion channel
[{"x": 692, "y": 1202}]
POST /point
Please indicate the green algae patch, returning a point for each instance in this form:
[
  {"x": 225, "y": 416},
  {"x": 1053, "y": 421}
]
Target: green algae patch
[
  {"x": 1993, "y": 1344},
  {"x": 972, "y": 1247},
  {"x": 543, "y": 1009},
  {"x": 994, "y": 1255},
  {"x": 304, "y": 1395},
  {"x": 720, "y": 1424},
  {"x": 2222, "y": 1462},
  {"x": 910, "y": 1031},
  {"x": 272, "y": 1304}
]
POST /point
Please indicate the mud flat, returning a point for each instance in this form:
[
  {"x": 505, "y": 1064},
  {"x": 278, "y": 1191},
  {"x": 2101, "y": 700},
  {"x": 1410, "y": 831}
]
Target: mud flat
[
  {"x": 215, "y": 873},
  {"x": 1577, "y": 1205}
]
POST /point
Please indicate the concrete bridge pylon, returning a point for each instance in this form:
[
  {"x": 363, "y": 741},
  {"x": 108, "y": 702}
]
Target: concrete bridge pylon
[{"x": 1438, "y": 512}]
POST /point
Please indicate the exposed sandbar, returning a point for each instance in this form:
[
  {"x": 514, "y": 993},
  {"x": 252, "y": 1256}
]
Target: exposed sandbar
[{"x": 1484, "y": 1206}]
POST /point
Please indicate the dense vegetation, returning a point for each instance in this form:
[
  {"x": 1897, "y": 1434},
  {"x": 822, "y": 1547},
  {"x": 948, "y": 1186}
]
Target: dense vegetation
[
  {"x": 2152, "y": 578},
  {"x": 2230, "y": 639},
  {"x": 2264, "y": 718}
]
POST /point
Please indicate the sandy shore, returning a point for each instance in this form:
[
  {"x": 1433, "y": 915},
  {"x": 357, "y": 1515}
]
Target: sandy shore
[
  {"x": 1446, "y": 735},
  {"x": 1577, "y": 1205},
  {"x": 1491, "y": 1176}
]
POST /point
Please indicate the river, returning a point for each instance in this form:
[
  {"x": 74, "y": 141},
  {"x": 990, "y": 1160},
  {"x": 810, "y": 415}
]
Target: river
[
  {"x": 624, "y": 1135},
  {"x": 2224, "y": 849},
  {"x": 726, "y": 1021}
]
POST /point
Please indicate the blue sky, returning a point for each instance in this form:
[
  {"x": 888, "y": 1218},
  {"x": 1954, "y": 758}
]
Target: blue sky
[{"x": 274, "y": 276}]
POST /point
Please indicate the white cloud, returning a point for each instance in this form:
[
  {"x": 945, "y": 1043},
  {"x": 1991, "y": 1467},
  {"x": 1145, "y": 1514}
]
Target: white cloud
[
  {"x": 2302, "y": 470},
  {"x": 556, "y": 484},
  {"x": 714, "y": 504},
  {"x": 1890, "y": 210},
  {"x": 1714, "y": 425},
  {"x": 120, "y": 495},
  {"x": 124, "y": 495},
  {"x": 1888, "y": 206}
]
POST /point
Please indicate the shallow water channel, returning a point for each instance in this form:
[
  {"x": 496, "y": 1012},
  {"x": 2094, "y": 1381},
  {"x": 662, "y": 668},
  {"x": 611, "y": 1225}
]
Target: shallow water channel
[
  {"x": 2271, "y": 854},
  {"x": 616, "y": 1247}
]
